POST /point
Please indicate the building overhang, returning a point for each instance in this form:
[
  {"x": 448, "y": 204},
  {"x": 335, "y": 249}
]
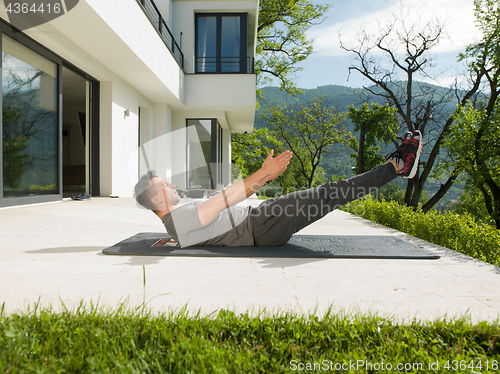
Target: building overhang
[
  {"x": 95, "y": 37},
  {"x": 234, "y": 94}
]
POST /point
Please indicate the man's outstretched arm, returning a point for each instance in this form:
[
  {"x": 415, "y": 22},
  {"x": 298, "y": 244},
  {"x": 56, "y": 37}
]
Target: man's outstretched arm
[{"x": 271, "y": 168}]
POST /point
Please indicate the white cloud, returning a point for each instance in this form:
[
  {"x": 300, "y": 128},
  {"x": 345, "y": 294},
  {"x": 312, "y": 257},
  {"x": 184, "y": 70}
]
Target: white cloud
[{"x": 457, "y": 15}]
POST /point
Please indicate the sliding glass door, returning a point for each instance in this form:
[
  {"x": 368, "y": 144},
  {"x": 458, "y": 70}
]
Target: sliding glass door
[
  {"x": 204, "y": 153},
  {"x": 29, "y": 122}
]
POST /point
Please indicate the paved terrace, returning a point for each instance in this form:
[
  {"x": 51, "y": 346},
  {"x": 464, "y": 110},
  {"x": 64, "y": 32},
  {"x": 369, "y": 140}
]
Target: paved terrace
[{"x": 51, "y": 253}]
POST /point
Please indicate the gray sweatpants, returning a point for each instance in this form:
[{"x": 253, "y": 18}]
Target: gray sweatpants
[{"x": 274, "y": 221}]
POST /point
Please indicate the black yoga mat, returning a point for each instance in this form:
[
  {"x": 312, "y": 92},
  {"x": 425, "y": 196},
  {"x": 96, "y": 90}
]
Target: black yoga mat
[{"x": 381, "y": 247}]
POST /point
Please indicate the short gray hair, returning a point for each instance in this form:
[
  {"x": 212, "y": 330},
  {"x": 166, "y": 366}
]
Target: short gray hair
[{"x": 144, "y": 190}]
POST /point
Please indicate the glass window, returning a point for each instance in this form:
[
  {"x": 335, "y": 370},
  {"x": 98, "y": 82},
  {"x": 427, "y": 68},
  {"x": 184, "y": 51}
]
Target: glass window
[
  {"x": 29, "y": 122},
  {"x": 204, "y": 153},
  {"x": 221, "y": 43},
  {"x": 230, "y": 44},
  {"x": 207, "y": 44}
]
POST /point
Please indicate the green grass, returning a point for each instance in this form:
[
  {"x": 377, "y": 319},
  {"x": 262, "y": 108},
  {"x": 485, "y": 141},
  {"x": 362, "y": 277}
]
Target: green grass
[
  {"x": 94, "y": 341},
  {"x": 459, "y": 232},
  {"x": 91, "y": 340}
]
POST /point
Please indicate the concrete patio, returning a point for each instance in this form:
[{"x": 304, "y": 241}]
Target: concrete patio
[{"x": 51, "y": 254}]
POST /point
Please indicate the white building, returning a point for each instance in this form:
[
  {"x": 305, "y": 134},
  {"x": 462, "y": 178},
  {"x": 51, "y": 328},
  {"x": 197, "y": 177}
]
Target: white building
[{"x": 94, "y": 97}]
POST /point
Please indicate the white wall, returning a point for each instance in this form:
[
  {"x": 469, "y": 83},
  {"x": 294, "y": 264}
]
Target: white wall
[
  {"x": 105, "y": 138},
  {"x": 121, "y": 158},
  {"x": 165, "y": 8},
  {"x": 178, "y": 148},
  {"x": 114, "y": 42}
]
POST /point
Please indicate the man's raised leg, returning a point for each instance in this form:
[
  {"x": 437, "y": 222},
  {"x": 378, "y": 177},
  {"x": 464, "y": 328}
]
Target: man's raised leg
[{"x": 276, "y": 220}]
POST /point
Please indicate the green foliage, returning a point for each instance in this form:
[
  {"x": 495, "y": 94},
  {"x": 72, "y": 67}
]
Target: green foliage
[
  {"x": 474, "y": 139},
  {"x": 92, "y": 341},
  {"x": 14, "y": 161},
  {"x": 473, "y": 148},
  {"x": 486, "y": 52},
  {"x": 310, "y": 131},
  {"x": 249, "y": 150},
  {"x": 391, "y": 192},
  {"x": 48, "y": 187},
  {"x": 471, "y": 202},
  {"x": 375, "y": 124},
  {"x": 282, "y": 41},
  {"x": 458, "y": 232}
]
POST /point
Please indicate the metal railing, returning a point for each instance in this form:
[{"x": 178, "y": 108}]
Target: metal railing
[
  {"x": 160, "y": 25},
  {"x": 224, "y": 65}
]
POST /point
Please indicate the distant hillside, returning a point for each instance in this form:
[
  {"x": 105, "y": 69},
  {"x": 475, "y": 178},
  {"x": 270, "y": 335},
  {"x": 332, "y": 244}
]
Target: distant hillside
[{"x": 340, "y": 96}]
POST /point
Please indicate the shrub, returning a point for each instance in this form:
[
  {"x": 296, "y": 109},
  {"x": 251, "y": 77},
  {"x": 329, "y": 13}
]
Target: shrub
[{"x": 460, "y": 232}]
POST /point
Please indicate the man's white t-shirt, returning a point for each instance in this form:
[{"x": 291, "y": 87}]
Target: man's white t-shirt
[{"x": 183, "y": 224}]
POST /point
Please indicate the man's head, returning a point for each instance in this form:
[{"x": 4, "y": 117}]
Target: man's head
[{"x": 154, "y": 193}]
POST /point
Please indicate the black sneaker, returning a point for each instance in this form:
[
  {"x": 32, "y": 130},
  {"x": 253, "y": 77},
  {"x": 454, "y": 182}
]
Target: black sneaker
[
  {"x": 408, "y": 154},
  {"x": 407, "y": 136},
  {"x": 394, "y": 155},
  {"x": 81, "y": 196}
]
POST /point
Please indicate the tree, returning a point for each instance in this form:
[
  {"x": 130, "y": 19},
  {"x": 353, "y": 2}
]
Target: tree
[
  {"x": 281, "y": 40},
  {"x": 391, "y": 61},
  {"x": 471, "y": 202},
  {"x": 473, "y": 148},
  {"x": 14, "y": 162},
  {"x": 249, "y": 150},
  {"x": 374, "y": 124},
  {"x": 310, "y": 131},
  {"x": 28, "y": 126},
  {"x": 473, "y": 144}
]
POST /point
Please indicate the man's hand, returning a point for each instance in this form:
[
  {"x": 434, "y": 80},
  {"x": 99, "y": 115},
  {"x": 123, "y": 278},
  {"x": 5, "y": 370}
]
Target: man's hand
[{"x": 273, "y": 167}]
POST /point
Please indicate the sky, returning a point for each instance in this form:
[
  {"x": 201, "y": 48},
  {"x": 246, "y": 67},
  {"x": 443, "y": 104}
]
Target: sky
[{"x": 329, "y": 63}]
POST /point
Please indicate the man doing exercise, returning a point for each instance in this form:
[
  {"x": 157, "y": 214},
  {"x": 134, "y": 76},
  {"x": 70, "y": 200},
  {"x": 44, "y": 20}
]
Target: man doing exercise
[{"x": 219, "y": 221}]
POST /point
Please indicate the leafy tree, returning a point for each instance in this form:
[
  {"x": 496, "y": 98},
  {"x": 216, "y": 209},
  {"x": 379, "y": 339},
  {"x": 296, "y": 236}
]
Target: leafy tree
[
  {"x": 392, "y": 60},
  {"x": 14, "y": 161},
  {"x": 310, "y": 131},
  {"x": 471, "y": 201},
  {"x": 474, "y": 138},
  {"x": 473, "y": 148},
  {"x": 281, "y": 39},
  {"x": 249, "y": 150},
  {"x": 26, "y": 124},
  {"x": 483, "y": 59},
  {"x": 374, "y": 124},
  {"x": 392, "y": 192}
]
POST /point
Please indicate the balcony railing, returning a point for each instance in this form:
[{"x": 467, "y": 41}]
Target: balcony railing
[
  {"x": 224, "y": 65},
  {"x": 160, "y": 25}
]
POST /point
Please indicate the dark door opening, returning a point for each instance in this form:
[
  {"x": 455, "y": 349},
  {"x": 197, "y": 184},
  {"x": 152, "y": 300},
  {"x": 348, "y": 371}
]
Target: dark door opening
[{"x": 75, "y": 134}]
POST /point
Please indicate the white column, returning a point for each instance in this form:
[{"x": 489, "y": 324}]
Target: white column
[{"x": 105, "y": 143}]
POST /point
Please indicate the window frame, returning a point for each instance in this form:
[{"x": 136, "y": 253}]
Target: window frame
[
  {"x": 243, "y": 56},
  {"x": 37, "y": 48},
  {"x": 216, "y": 151},
  {"x": 94, "y": 183}
]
